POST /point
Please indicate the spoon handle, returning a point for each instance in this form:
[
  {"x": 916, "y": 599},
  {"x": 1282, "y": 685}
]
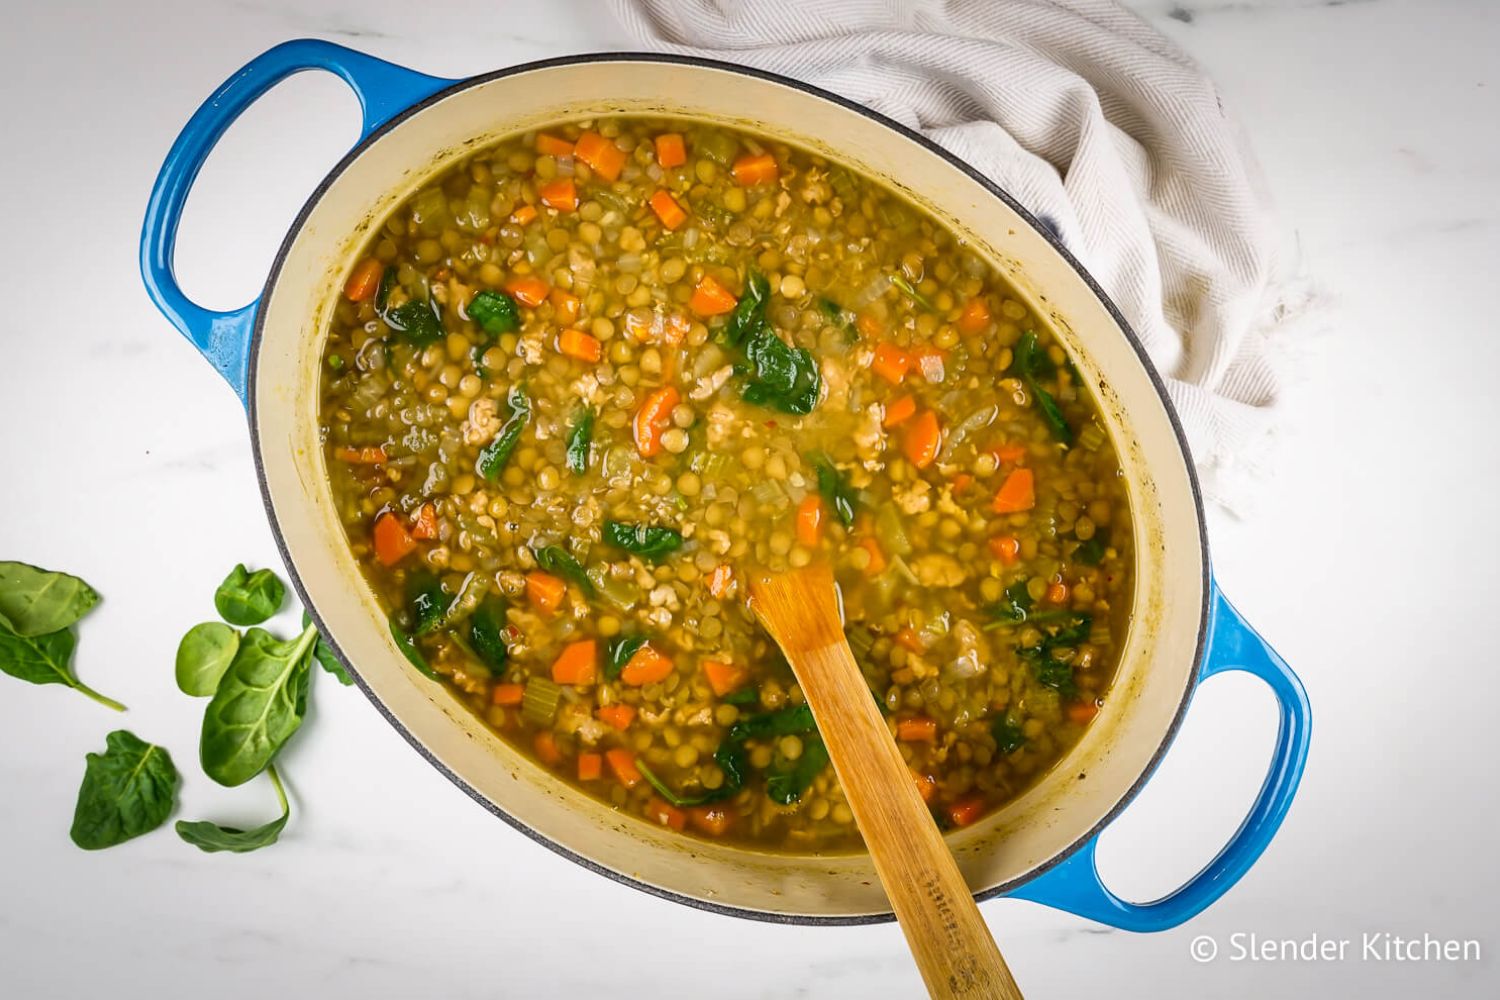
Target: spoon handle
[{"x": 947, "y": 936}]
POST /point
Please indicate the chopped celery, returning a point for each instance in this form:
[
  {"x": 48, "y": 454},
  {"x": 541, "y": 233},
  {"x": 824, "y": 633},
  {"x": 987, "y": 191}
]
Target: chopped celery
[
  {"x": 890, "y": 532},
  {"x": 539, "y": 701}
]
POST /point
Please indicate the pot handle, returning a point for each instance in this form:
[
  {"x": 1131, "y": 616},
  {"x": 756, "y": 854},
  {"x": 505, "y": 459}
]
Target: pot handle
[
  {"x": 384, "y": 90},
  {"x": 1075, "y": 885}
]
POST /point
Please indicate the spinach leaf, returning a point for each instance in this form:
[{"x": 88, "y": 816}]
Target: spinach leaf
[
  {"x": 910, "y": 291},
  {"x": 1051, "y": 670},
  {"x": 259, "y": 704},
  {"x": 781, "y": 377},
  {"x": 202, "y": 657},
  {"x": 493, "y": 456},
  {"x": 793, "y": 720},
  {"x": 128, "y": 790},
  {"x": 426, "y": 601},
  {"x": 1008, "y": 735},
  {"x": 494, "y": 312},
  {"x": 732, "y": 760},
  {"x": 786, "y": 782},
  {"x": 45, "y": 659},
  {"x": 1031, "y": 364},
  {"x": 326, "y": 657},
  {"x": 408, "y": 647},
  {"x": 1091, "y": 552},
  {"x": 246, "y": 598},
  {"x": 742, "y": 697},
  {"x": 834, "y": 487},
  {"x": 1012, "y": 608},
  {"x": 839, "y": 317},
  {"x": 487, "y": 633},
  {"x": 648, "y": 541},
  {"x": 37, "y": 601},
  {"x": 212, "y": 838},
  {"x": 579, "y": 435},
  {"x": 620, "y": 650},
  {"x": 419, "y": 321},
  {"x": 558, "y": 560}
]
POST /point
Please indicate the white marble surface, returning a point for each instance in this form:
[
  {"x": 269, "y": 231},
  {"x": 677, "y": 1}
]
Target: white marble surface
[{"x": 1369, "y": 560}]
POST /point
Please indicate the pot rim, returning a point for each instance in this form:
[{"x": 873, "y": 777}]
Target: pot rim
[{"x": 1046, "y": 232}]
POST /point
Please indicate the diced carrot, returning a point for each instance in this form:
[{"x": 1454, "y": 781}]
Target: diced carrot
[
  {"x": 869, "y": 325},
  {"x": 926, "y": 785},
  {"x": 622, "y": 765},
  {"x": 551, "y": 145},
  {"x": 668, "y": 209},
  {"x": 1008, "y": 452},
  {"x": 922, "y": 440},
  {"x": 1016, "y": 493},
  {"x": 810, "y": 520},
  {"x": 961, "y": 482},
  {"x": 720, "y": 580},
  {"x": 617, "y": 715},
  {"x": 646, "y": 666},
  {"x": 1057, "y": 593},
  {"x": 907, "y": 638},
  {"x": 576, "y": 664},
  {"x": 508, "y": 694},
  {"x": 975, "y": 316},
  {"x": 1082, "y": 712},
  {"x": 899, "y": 411},
  {"x": 545, "y": 591},
  {"x": 590, "y": 766},
  {"x": 545, "y": 745},
  {"x": 653, "y": 418},
  {"x": 966, "y": 810},
  {"x": 890, "y": 362},
  {"x": 393, "y": 542},
  {"x": 722, "y": 677},
  {"x": 671, "y": 151},
  {"x": 561, "y": 194},
  {"x": 711, "y": 298},
  {"x": 917, "y": 729},
  {"x": 877, "y": 562},
  {"x": 713, "y": 820},
  {"x": 1006, "y": 548},
  {"x": 363, "y": 280},
  {"x": 425, "y": 526},
  {"x": 565, "y": 305},
  {"x": 369, "y": 455},
  {"x": 602, "y": 154},
  {"x": 659, "y": 810},
  {"x": 529, "y": 290},
  {"x": 577, "y": 344},
  {"x": 750, "y": 169},
  {"x": 523, "y": 215}
]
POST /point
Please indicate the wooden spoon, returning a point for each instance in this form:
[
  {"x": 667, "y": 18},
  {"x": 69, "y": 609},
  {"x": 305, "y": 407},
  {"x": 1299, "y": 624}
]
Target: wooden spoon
[{"x": 948, "y": 938}]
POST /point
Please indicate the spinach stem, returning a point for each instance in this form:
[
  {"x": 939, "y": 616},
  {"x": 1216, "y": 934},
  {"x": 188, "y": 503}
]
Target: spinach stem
[
  {"x": 280, "y": 791},
  {"x": 84, "y": 689}
]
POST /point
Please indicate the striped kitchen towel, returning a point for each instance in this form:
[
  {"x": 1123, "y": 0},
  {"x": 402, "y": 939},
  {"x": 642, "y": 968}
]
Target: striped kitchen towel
[{"x": 1095, "y": 122}]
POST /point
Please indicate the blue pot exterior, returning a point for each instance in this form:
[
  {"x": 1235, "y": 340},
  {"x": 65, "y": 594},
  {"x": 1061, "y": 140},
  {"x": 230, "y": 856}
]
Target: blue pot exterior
[{"x": 225, "y": 339}]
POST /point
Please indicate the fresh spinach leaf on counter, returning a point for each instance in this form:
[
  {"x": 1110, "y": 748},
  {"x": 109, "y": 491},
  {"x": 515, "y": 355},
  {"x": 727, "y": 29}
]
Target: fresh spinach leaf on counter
[
  {"x": 37, "y": 601},
  {"x": 46, "y": 659},
  {"x": 246, "y": 598},
  {"x": 128, "y": 790},
  {"x": 648, "y": 541},
  {"x": 327, "y": 659},
  {"x": 259, "y": 704},
  {"x": 212, "y": 838},
  {"x": 203, "y": 655}
]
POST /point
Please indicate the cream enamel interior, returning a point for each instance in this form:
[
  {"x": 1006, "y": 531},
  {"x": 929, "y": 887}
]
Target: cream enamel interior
[{"x": 1160, "y": 654}]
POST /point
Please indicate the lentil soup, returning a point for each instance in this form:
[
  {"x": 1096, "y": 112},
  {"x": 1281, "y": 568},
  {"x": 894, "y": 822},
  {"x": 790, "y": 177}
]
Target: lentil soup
[{"x": 581, "y": 381}]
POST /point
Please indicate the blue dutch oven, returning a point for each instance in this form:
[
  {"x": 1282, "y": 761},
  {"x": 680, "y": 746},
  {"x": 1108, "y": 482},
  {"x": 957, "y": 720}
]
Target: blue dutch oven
[{"x": 1040, "y": 847}]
